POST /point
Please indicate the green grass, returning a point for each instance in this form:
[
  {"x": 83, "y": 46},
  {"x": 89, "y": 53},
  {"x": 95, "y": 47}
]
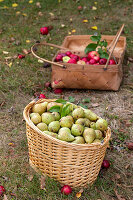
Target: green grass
[{"x": 24, "y": 78}]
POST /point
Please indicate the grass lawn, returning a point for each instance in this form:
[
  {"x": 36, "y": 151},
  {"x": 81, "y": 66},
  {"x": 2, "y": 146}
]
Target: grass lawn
[{"x": 21, "y": 80}]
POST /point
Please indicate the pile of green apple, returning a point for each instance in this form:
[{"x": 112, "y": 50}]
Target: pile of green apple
[{"x": 68, "y": 122}]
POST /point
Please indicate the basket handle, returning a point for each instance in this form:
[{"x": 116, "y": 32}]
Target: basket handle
[
  {"x": 114, "y": 45},
  {"x": 48, "y": 44}
]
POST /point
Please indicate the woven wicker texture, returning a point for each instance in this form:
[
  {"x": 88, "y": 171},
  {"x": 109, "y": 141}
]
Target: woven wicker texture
[{"x": 74, "y": 164}]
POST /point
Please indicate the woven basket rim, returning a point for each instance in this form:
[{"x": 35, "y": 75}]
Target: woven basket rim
[{"x": 63, "y": 143}]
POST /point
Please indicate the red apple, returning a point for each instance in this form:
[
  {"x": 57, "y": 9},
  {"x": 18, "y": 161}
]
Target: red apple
[
  {"x": 66, "y": 189},
  {"x": 2, "y": 190},
  {"x": 92, "y": 61},
  {"x": 102, "y": 61},
  {"x": 42, "y": 96},
  {"x": 81, "y": 62},
  {"x": 80, "y": 8},
  {"x": 95, "y": 55},
  {"x": 68, "y": 53},
  {"x": 58, "y": 91},
  {"x": 105, "y": 164},
  {"x": 112, "y": 62},
  {"x": 87, "y": 63},
  {"x": 72, "y": 60},
  {"x": 85, "y": 59},
  {"x": 74, "y": 57},
  {"x": 20, "y": 56},
  {"x": 47, "y": 84},
  {"x": 58, "y": 58},
  {"x": 44, "y": 30}
]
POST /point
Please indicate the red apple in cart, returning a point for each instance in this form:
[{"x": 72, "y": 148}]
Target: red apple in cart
[
  {"x": 94, "y": 55},
  {"x": 102, "y": 61},
  {"x": 87, "y": 63},
  {"x": 74, "y": 57},
  {"x": 85, "y": 59},
  {"x": 112, "y": 62},
  {"x": 81, "y": 62},
  {"x": 92, "y": 61},
  {"x": 68, "y": 53},
  {"x": 72, "y": 60},
  {"x": 58, "y": 58}
]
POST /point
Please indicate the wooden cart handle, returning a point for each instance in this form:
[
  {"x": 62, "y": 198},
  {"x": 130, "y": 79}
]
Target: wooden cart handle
[
  {"x": 114, "y": 45},
  {"x": 48, "y": 44}
]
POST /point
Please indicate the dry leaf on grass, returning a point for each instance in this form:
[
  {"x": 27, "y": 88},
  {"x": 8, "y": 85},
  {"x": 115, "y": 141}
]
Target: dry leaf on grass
[
  {"x": 30, "y": 177},
  {"x": 118, "y": 195},
  {"x": 43, "y": 182},
  {"x": 5, "y": 197},
  {"x": 78, "y": 195}
]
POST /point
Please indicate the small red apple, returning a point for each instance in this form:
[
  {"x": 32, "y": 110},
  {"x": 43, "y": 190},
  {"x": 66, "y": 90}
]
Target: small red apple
[
  {"x": 66, "y": 189},
  {"x": 68, "y": 53},
  {"x": 72, "y": 60},
  {"x": 112, "y": 62},
  {"x": 58, "y": 91},
  {"x": 74, "y": 57},
  {"x": 85, "y": 59},
  {"x": 42, "y": 96},
  {"x": 102, "y": 61},
  {"x": 80, "y": 8},
  {"x": 47, "y": 84},
  {"x": 87, "y": 63},
  {"x": 92, "y": 61},
  {"x": 95, "y": 55},
  {"x": 58, "y": 58},
  {"x": 2, "y": 190},
  {"x": 105, "y": 164},
  {"x": 44, "y": 30},
  {"x": 20, "y": 56}
]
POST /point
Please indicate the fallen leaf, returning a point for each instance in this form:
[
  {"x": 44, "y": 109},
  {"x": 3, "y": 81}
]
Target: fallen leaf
[
  {"x": 118, "y": 195},
  {"x": 40, "y": 61},
  {"x": 30, "y": 1},
  {"x": 5, "y": 7},
  {"x": 95, "y": 3},
  {"x": 1, "y": 0},
  {"x": 25, "y": 51},
  {"x": 40, "y": 14},
  {"x": 94, "y": 8},
  {"x": 69, "y": 33},
  {"x": 85, "y": 21},
  {"x": 78, "y": 195},
  {"x": 5, "y": 52},
  {"x": 28, "y": 41},
  {"x": 117, "y": 176},
  {"x": 14, "y": 5},
  {"x": 73, "y": 31},
  {"x": 62, "y": 25},
  {"x": 94, "y": 27},
  {"x": 130, "y": 59},
  {"x": 30, "y": 177},
  {"x": 5, "y": 197},
  {"x": 18, "y": 13},
  {"x": 127, "y": 166},
  {"x": 95, "y": 104},
  {"x": 24, "y": 14},
  {"x": 38, "y": 4},
  {"x": 71, "y": 19},
  {"x": 11, "y": 144},
  {"x": 43, "y": 182},
  {"x": 10, "y": 64}
]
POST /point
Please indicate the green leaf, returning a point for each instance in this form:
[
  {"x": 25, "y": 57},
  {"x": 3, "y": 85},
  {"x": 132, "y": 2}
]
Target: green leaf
[
  {"x": 65, "y": 110},
  {"x": 105, "y": 43},
  {"x": 96, "y": 38},
  {"x": 87, "y": 100},
  {"x": 100, "y": 51},
  {"x": 55, "y": 109},
  {"x": 104, "y": 55},
  {"x": 90, "y": 47},
  {"x": 71, "y": 99},
  {"x": 61, "y": 101},
  {"x": 83, "y": 106}
]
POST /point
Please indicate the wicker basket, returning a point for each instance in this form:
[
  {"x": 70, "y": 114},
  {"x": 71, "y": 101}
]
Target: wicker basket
[{"x": 74, "y": 164}]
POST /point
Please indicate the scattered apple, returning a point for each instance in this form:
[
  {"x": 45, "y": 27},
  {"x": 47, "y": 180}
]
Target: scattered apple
[
  {"x": 112, "y": 62},
  {"x": 130, "y": 145},
  {"x": 105, "y": 164},
  {"x": 102, "y": 61},
  {"x": 42, "y": 96},
  {"x": 80, "y": 8},
  {"x": 2, "y": 190},
  {"x": 20, "y": 56},
  {"x": 66, "y": 189},
  {"x": 95, "y": 55},
  {"x": 58, "y": 91},
  {"x": 44, "y": 30}
]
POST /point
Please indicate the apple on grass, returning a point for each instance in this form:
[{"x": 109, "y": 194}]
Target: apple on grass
[
  {"x": 44, "y": 30},
  {"x": 94, "y": 55}
]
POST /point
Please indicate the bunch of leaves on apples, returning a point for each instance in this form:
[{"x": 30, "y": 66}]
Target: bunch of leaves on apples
[
  {"x": 68, "y": 122},
  {"x": 96, "y": 54}
]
